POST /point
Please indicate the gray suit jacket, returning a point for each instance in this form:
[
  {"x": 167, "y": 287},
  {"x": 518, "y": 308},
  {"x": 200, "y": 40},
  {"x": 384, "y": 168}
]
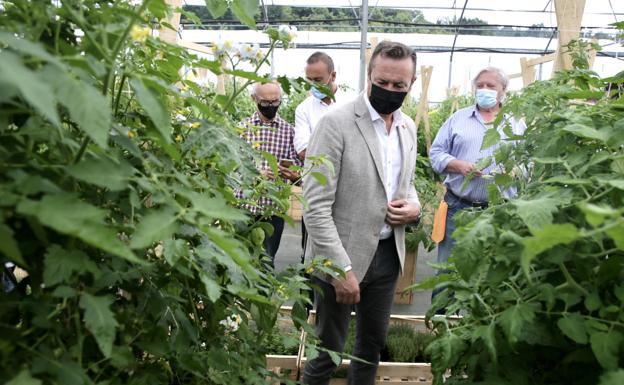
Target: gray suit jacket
[{"x": 345, "y": 215}]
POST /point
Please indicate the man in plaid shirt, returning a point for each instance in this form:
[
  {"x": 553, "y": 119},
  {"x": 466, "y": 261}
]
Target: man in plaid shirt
[{"x": 266, "y": 131}]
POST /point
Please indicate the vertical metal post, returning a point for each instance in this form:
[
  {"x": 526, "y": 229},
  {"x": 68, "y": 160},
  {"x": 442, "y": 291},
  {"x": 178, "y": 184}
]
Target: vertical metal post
[{"x": 363, "y": 44}]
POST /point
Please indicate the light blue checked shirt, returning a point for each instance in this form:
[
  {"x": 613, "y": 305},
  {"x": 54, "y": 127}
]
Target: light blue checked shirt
[{"x": 460, "y": 138}]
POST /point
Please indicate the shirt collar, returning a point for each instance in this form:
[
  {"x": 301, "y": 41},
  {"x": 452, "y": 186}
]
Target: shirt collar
[{"x": 397, "y": 116}]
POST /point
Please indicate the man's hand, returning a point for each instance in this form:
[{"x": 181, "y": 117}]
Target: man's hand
[
  {"x": 347, "y": 289},
  {"x": 463, "y": 167},
  {"x": 301, "y": 155},
  {"x": 402, "y": 212},
  {"x": 287, "y": 173}
]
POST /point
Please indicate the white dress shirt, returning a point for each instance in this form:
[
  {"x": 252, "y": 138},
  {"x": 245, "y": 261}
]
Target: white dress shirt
[
  {"x": 391, "y": 157},
  {"x": 307, "y": 115}
]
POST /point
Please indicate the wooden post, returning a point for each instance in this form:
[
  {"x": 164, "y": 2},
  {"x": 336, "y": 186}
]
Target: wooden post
[
  {"x": 569, "y": 16},
  {"x": 423, "y": 106},
  {"x": 166, "y": 34},
  {"x": 369, "y": 51},
  {"x": 528, "y": 72},
  {"x": 452, "y": 92}
]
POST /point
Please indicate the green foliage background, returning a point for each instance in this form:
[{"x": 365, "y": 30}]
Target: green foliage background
[{"x": 117, "y": 179}]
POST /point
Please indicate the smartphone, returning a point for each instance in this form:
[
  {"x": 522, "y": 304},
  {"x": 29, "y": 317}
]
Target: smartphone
[{"x": 286, "y": 162}]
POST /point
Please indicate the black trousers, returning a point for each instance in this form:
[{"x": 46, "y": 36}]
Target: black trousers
[
  {"x": 372, "y": 319},
  {"x": 272, "y": 242}
]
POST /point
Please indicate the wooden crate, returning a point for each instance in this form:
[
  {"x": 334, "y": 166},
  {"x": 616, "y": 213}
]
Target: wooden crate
[
  {"x": 388, "y": 373},
  {"x": 282, "y": 365},
  {"x": 408, "y": 278},
  {"x": 392, "y": 373}
]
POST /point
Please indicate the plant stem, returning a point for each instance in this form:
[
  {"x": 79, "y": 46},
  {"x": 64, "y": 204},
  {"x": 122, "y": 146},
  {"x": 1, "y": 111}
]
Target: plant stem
[
  {"x": 571, "y": 280},
  {"x": 249, "y": 81}
]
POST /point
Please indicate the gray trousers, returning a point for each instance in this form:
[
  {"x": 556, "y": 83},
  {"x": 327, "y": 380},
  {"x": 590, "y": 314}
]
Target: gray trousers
[{"x": 372, "y": 318}]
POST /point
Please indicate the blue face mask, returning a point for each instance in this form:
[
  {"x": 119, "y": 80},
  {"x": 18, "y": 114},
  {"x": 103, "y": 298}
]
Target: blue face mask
[
  {"x": 317, "y": 94},
  {"x": 486, "y": 98}
]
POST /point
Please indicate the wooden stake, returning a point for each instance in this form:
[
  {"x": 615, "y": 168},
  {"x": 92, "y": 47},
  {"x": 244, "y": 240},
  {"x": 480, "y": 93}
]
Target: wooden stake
[
  {"x": 166, "y": 34},
  {"x": 423, "y": 106},
  {"x": 569, "y": 16}
]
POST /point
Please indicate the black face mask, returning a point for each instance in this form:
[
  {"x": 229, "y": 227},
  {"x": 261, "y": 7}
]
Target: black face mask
[
  {"x": 269, "y": 112},
  {"x": 385, "y": 102}
]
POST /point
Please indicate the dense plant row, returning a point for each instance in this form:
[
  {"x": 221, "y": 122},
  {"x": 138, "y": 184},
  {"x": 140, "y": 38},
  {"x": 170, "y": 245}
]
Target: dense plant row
[
  {"x": 539, "y": 279},
  {"x": 117, "y": 179}
]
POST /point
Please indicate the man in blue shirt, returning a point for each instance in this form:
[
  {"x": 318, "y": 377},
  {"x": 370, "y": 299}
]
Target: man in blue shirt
[{"x": 457, "y": 149}]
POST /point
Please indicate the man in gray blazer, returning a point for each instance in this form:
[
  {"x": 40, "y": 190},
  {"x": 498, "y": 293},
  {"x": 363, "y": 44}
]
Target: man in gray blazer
[{"x": 357, "y": 218}]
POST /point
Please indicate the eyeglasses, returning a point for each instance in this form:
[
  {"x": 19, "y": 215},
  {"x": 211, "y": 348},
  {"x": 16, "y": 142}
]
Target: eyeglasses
[{"x": 270, "y": 103}]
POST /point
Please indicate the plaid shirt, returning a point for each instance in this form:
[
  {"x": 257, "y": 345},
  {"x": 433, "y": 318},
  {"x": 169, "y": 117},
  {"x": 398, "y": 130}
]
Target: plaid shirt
[{"x": 276, "y": 138}]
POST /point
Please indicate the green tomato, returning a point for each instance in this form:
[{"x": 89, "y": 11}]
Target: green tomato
[{"x": 257, "y": 236}]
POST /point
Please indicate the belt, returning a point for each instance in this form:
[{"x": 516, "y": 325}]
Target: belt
[{"x": 481, "y": 205}]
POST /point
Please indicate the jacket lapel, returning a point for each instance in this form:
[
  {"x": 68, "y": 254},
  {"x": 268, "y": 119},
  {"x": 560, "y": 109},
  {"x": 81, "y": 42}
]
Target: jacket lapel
[{"x": 365, "y": 125}]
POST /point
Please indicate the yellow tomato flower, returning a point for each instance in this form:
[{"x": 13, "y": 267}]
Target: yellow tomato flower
[
  {"x": 195, "y": 124},
  {"x": 327, "y": 263},
  {"x": 139, "y": 34},
  {"x": 178, "y": 138},
  {"x": 132, "y": 134},
  {"x": 310, "y": 270}
]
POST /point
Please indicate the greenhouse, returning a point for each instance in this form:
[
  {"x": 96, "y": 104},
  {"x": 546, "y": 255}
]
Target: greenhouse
[{"x": 311, "y": 192}]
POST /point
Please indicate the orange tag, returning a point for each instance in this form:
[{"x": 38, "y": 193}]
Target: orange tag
[{"x": 439, "y": 223}]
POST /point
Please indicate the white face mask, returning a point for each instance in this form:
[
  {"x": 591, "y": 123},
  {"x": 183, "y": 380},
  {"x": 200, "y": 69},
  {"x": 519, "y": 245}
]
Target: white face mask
[{"x": 486, "y": 98}]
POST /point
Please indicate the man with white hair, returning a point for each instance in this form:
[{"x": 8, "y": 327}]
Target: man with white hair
[
  {"x": 267, "y": 132},
  {"x": 456, "y": 150}
]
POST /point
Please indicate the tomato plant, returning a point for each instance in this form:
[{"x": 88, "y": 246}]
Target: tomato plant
[
  {"x": 117, "y": 179},
  {"x": 539, "y": 279}
]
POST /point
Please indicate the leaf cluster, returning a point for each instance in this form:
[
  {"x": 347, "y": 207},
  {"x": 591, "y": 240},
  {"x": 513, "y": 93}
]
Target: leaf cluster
[
  {"x": 118, "y": 179},
  {"x": 538, "y": 279}
]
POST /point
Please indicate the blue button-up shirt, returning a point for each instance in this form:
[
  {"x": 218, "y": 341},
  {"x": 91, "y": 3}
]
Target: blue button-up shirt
[{"x": 460, "y": 138}]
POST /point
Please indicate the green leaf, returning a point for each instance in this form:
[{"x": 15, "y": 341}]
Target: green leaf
[
  {"x": 24, "y": 378},
  {"x": 615, "y": 377},
  {"x": 617, "y": 183},
  {"x": 67, "y": 214},
  {"x": 617, "y": 166},
  {"x": 9, "y": 246},
  {"x": 584, "y": 131},
  {"x": 85, "y": 104},
  {"x": 617, "y": 234},
  {"x": 215, "y": 207},
  {"x": 157, "y": 225},
  {"x": 64, "y": 292},
  {"x": 606, "y": 348},
  {"x": 33, "y": 89},
  {"x": 596, "y": 215},
  {"x": 491, "y": 137},
  {"x": 154, "y": 108},
  {"x": 99, "y": 320},
  {"x": 103, "y": 172},
  {"x": 59, "y": 265},
  {"x": 514, "y": 319},
  {"x": 487, "y": 334},
  {"x": 545, "y": 238},
  {"x": 245, "y": 10},
  {"x": 29, "y": 48},
  {"x": 217, "y": 8},
  {"x": 213, "y": 290},
  {"x": 592, "y": 301},
  {"x": 174, "y": 249},
  {"x": 320, "y": 177},
  {"x": 573, "y": 326},
  {"x": 248, "y": 75},
  {"x": 536, "y": 212}
]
